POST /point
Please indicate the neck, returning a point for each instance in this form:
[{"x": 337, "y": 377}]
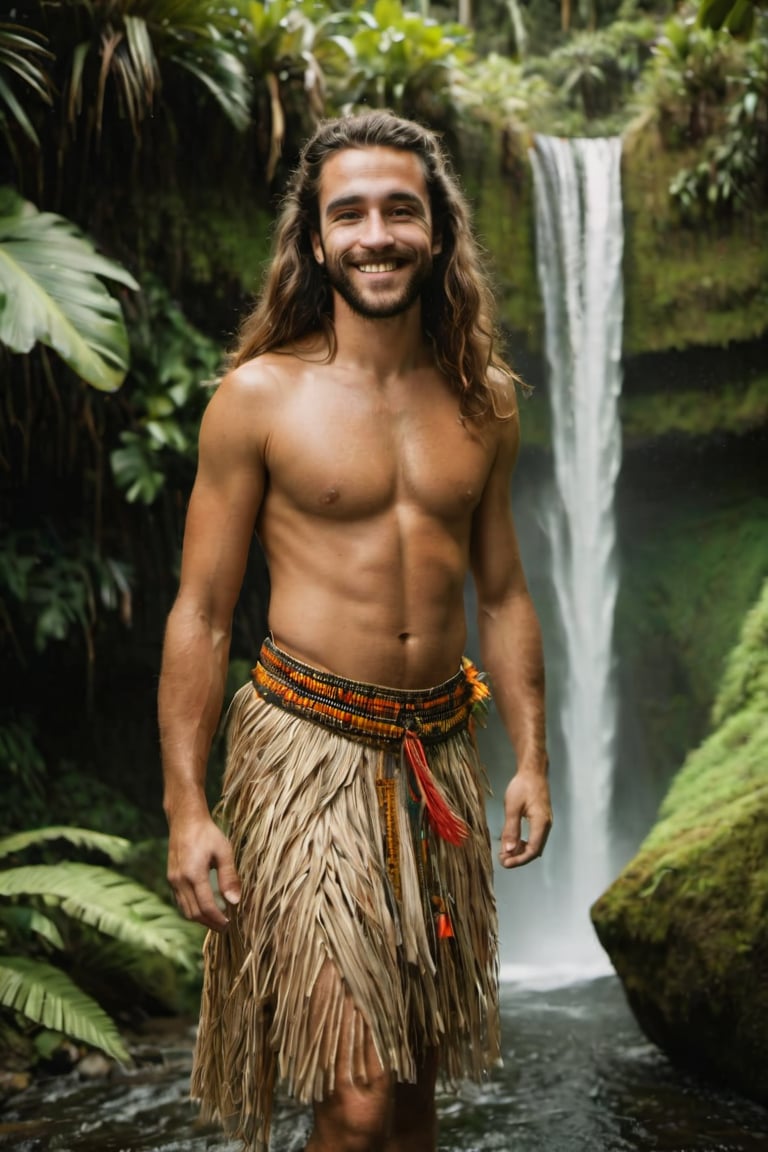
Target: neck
[{"x": 381, "y": 347}]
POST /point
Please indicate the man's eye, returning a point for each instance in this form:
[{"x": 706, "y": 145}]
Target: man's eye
[{"x": 402, "y": 212}]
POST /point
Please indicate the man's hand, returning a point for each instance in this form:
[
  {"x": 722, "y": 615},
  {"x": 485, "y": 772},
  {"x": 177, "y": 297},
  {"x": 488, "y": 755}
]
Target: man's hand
[
  {"x": 195, "y": 846},
  {"x": 527, "y": 796}
]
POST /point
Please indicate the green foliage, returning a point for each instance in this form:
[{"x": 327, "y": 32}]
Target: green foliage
[
  {"x": 683, "y": 286},
  {"x": 687, "y": 83},
  {"x": 705, "y": 562},
  {"x": 46, "y": 995},
  {"x": 50, "y": 589},
  {"x": 738, "y": 16},
  {"x": 22, "y": 767},
  {"x": 398, "y": 59},
  {"x": 285, "y": 44},
  {"x": 686, "y": 923},
  {"x": 745, "y": 680},
  {"x": 115, "y": 848},
  {"x": 731, "y": 174},
  {"x": 571, "y": 91},
  {"x": 21, "y": 56},
  {"x": 108, "y": 901},
  {"x": 171, "y": 364},
  {"x": 50, "y": 292},
  {"x": 129, "y": 45},
  {"x": 502, "y": 92},
  {"x": 66, "y": 911},
  {"x": 734, "y": 408}
]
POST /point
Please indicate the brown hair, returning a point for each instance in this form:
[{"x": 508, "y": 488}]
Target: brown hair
[{"x": 457, "y": 302}]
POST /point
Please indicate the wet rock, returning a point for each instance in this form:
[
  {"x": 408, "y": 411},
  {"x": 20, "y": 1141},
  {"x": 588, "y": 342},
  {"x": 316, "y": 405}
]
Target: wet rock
[
  {"x": 12, "y": 1082},
  {"x": 94, "y": 1066},
  {"x": 686, "y": 923}
]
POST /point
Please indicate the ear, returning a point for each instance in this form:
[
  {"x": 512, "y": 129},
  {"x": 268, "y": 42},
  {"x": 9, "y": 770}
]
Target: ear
[{"x": 317, "y": 247}]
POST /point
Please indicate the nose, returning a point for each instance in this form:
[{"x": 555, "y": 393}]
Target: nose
[{"x": 376, "y": 233}]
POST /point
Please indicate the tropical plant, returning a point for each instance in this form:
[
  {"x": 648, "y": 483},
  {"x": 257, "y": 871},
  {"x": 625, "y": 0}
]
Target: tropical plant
[
  {"x": 127, "y": 45},
  {"x": 49, "y": 911},
  {"x": 51, "y": 292},
  {"x": 22, "y": 53},
  {"x": 738, "y": 16},
  {"x": 732, "y": 173},
  {"x": 687, "y": 83},
  {"x": 282, "y": 39},
  {"x": 171, "y": 364},
  {"x": 398, "y": 59}
]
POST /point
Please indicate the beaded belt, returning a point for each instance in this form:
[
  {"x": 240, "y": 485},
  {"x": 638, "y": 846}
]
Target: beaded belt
[{"x": 379, "y": 716}]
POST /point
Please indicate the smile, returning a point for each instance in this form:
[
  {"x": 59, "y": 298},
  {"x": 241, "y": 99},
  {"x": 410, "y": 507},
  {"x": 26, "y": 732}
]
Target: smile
[{"x": 387, "y": 266}]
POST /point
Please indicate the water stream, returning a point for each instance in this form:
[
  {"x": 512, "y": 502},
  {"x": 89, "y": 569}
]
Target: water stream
[{"x": 577, "y": 1077}]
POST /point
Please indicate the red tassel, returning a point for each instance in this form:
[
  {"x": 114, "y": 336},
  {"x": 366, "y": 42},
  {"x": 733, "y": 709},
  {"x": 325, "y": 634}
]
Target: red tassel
[{"x": 447, "y": 825}]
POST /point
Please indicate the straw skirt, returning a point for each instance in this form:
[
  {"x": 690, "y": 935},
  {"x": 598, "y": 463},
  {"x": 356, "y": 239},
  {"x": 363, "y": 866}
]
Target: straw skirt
[{"x": 361, "y": 940}]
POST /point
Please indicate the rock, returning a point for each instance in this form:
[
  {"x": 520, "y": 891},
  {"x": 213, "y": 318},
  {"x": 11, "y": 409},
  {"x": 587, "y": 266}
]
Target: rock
[
  {"x": 94, "y": 1066},
  {"x": 686, "y": 923},
  {"x": 12, "y": 1082}
]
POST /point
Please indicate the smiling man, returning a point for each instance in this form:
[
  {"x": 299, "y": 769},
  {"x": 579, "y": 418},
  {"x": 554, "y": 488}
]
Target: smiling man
[{"x": 367, "y": 431}]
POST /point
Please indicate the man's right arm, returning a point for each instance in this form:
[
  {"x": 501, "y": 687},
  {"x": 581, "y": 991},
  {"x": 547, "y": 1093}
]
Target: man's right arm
[{"x": 220, "y": 521}]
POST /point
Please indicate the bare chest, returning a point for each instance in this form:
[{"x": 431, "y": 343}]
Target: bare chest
[{"x": 354, "y": 458}]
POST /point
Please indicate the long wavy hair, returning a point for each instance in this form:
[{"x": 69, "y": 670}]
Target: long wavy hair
[{"x": 457, "y": 303}]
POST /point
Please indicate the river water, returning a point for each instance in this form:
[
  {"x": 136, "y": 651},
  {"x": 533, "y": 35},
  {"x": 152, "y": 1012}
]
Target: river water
[{"x": 578, "y": 1076}]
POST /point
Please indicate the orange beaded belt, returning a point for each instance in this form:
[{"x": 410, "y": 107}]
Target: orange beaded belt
[{"x": 379, "y": 716}]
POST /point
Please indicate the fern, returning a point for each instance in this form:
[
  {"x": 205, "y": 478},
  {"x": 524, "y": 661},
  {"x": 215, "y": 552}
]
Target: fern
[
  {"x": 46, "y": 996},
  {"x": 19, "y": 921},
  {"x": 106, "y": 900},
  {"x": 114, "y": 847}
]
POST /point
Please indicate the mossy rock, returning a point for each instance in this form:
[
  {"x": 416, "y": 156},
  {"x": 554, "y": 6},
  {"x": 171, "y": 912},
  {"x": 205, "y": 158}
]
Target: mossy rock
[{"x": 686, "y": 923}]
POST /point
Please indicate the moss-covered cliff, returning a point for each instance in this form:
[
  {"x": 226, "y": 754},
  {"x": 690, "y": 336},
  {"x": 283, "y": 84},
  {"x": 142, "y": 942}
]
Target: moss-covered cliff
[
  {"x": 684, "y": 287},
  {"x": 686, "y": 923}
]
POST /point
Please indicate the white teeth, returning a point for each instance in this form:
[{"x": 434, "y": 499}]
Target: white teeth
[{"x": 388, "y": 267}]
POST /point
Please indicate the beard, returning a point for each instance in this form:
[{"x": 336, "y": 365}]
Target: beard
[{"x": 378, "y": 305}]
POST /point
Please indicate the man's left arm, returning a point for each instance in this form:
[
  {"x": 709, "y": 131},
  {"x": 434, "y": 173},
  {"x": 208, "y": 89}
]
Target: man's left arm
[{"x": 511, "y": 652}]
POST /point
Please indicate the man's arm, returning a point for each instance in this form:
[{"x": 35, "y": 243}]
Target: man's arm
[
  {"x": 510, "y": 646},
  {"x": 222, "y": 511}
]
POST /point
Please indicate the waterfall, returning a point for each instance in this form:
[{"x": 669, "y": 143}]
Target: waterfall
[{"x": 579, "y": 240}]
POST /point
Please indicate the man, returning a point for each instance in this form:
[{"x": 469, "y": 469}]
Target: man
[{"x": 368, "y": 432}]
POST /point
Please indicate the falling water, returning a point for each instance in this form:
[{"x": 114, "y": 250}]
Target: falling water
[{"x": 579, "y": 239}]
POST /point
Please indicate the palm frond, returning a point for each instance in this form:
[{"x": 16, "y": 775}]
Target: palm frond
[
  {"x": 50, "y": 292},
  {"x": 115, "y": 847},
  {"x": 136, "y": 39},
  {"x": 46, "y": 995},
  {"x": 19, "y": 922},
  {"x": 19, "y": 56},
  {"x": 109, "y": 902}
]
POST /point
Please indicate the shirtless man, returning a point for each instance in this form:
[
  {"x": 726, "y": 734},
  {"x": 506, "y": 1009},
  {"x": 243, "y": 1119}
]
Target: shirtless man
[{"x": 368, "y": 432}]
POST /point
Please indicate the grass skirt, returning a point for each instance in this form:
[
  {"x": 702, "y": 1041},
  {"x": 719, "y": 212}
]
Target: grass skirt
[{"x": 362, "y": 939}]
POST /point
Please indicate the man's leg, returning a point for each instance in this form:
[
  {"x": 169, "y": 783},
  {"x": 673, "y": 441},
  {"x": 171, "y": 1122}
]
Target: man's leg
[
  {"x": 379, "y": 1116},
  {"x": 414, "y": 1118},
  {"x": 357, "y": 1115}
]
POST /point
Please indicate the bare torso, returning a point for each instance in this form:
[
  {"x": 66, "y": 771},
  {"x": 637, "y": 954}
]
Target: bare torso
[{"x": 370, "y": 488}]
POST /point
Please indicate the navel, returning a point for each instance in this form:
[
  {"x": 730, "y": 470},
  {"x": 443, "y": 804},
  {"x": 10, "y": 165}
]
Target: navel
[{"x": 403, "y": 636}]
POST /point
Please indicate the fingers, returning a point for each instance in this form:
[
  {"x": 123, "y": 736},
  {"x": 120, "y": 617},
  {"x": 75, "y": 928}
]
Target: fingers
[
  {"x": 529, "y": 800},
  {"x": 190, "y": 862}
]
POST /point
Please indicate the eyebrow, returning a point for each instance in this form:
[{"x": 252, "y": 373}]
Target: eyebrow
[{"x": 392, "y": 197}]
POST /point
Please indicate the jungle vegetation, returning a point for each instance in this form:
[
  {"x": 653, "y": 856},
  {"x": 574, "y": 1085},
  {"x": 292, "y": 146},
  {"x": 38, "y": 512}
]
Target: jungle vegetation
[{"x": 143, "y": 148}]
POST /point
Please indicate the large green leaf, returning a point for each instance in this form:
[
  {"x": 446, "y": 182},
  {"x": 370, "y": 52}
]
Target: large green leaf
[
  {"x": 109, "y": 902},
  {"x": 50, "y": 292},
  {"x": 115, "y": 847},
  {"x": 47, "y": 996}
]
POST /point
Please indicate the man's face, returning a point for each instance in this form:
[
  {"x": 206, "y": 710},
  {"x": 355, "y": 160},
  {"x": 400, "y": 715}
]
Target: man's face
[{"x": 375, "y": 237}]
